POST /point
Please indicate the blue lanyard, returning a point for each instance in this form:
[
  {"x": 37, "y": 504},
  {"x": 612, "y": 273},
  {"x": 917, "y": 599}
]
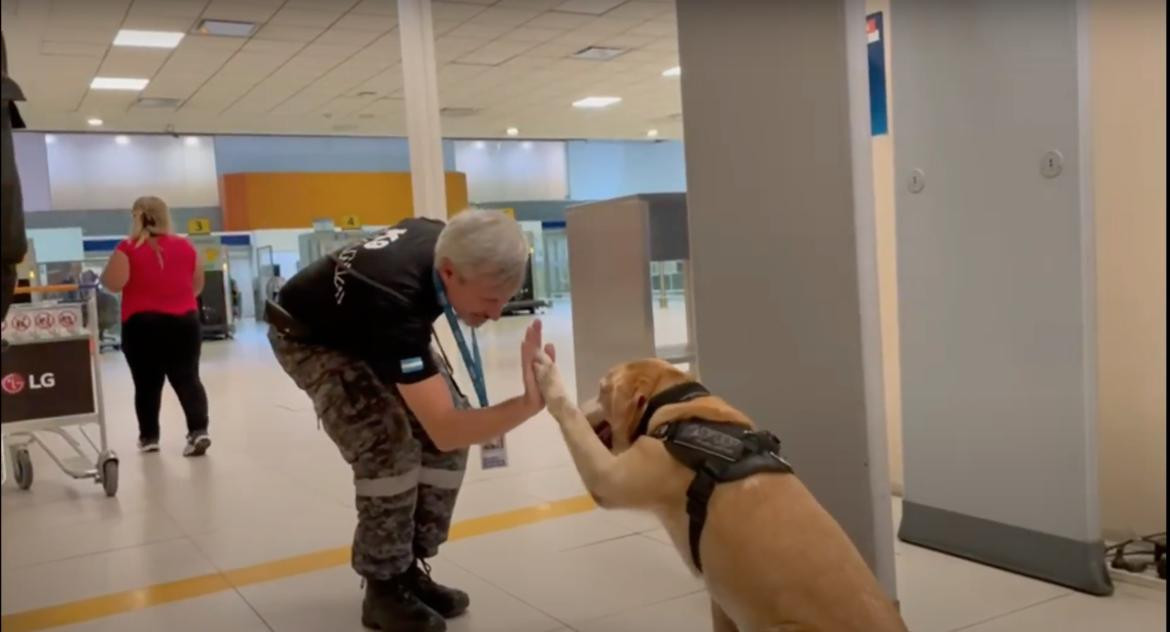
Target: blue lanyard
[{"x": 470, "y": 358}]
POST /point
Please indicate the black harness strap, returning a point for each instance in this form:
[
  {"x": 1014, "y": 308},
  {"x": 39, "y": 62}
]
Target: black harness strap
[
  {"x": 718, "y": 452},
  {"x": 677, "y": 394}
]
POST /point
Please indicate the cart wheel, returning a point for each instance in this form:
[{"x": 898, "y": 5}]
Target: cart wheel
[
  {"x": 22, "y": 468},
  {"x": 109, "y": 470}
]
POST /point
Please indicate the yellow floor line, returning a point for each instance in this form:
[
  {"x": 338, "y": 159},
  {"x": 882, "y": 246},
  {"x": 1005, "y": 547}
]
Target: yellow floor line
[{"x": 191, "y": 587}]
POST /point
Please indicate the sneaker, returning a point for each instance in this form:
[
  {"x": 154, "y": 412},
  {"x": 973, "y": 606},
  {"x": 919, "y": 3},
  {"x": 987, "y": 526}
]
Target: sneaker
[
  {"x": 391, "y": 606},
  {"x": 147, "y": 445},
  {"x": 448, "y": 602},
  {"x": 197, "y": 444}
]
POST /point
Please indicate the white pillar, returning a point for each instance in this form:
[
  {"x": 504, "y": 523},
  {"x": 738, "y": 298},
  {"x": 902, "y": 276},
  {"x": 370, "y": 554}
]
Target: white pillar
[{"x": 424, "y": 132}]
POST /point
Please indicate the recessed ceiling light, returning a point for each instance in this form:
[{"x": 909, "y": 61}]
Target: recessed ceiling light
[
  {"x": 652, "y": 133},
  {"x": 596, "y": 102},
  {"x": 148, "y": 39},
  {"x": 191, "y": 141},
  {"x": 672, "y": 72},
  {"x": 512, "y": 131},
  {"x": 94, "y": 122},
  {"x": 122, "y": 140},
  {"x": 118, "y": 83},
  {"x": 226, "y": 28}
]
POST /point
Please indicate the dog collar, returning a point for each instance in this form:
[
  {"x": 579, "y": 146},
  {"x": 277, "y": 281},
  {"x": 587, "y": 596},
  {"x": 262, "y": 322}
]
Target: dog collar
[{"x": 677, "y": 394}]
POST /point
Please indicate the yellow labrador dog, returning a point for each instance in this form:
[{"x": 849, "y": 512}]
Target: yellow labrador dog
[{"x": 773, "y": 559}]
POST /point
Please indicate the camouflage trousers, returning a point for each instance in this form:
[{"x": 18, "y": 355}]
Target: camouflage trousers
[{"x": 406, "y": 487}]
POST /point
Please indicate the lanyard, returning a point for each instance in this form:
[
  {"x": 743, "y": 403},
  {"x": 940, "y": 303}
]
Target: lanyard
[{"x": 471, "y": 357}]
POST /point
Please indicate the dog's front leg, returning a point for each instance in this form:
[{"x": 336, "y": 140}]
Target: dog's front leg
[{"x": 613, "y": 481}]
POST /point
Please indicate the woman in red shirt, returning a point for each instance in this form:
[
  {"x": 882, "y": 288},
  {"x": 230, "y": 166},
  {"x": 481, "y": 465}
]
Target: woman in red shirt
[{"x": 159, "y": 277}]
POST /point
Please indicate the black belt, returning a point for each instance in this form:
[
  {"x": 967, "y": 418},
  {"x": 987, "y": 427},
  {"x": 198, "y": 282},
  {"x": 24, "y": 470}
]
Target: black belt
[
  {"x": 718, "y": 452},
  {"x": 284, "y": 323}
]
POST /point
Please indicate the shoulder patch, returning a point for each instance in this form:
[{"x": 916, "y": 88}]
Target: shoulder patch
[{"x": 412, "y": 365}]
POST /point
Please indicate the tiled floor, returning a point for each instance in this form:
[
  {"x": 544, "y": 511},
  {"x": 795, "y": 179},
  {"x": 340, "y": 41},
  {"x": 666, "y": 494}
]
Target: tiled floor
[{"x": 273, "y": 487}]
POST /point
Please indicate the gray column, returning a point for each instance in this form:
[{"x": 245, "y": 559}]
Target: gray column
[
  {"x": 424, "y": 133},
  {"x": 996, "y": 285},
  {"x": 782, "y": 241}
]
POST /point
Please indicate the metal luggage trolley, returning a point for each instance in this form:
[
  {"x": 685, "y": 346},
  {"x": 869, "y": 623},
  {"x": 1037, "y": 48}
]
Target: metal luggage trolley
[{"x": 51, "y": 382}]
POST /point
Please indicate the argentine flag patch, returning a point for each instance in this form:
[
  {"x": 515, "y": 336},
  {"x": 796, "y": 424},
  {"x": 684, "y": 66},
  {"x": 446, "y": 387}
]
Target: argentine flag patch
[{"x": 412, "y": 365}]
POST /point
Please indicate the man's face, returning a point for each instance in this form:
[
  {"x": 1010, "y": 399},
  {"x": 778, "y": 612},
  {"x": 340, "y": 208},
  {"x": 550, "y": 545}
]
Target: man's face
[{"x": 475, "y": 301}]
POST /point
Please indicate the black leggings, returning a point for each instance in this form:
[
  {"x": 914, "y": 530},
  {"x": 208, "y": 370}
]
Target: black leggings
[{"x": 162, "y": 347}]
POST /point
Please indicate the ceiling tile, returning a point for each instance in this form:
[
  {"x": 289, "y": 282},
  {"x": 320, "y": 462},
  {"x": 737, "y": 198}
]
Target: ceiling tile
[
  {"x": 354, "y": 37},
  {"x": 529, "y": 34},
  {"x": 593, "y": 7},
  {"x": 655, "y": 28},
  {"x": 555, "y": 20},
  {"x": 641, "y": 10},
  {"x": 74, "y": 49},
  {"x": 367, "y": 21},
  {"x": 495, "y": 53},
  {"x": 133, "y": 62},
  {"x": 454, "y": 11},
  {"x": 376, "y": 7},
  {"x": 288, "y": 33},
  {"x": 506, "y": 16},
  {"x": 289, "y": 16},
  {"x": 449, "y": 48},
  {"x": 485, "y": 31}
]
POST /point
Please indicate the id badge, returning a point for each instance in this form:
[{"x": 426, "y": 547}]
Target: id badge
[{"x": 493, "y": 454}]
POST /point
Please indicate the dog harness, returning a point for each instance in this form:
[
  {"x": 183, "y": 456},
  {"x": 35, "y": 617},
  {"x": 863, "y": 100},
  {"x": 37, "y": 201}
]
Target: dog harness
[{"x": 718, "y": 452}]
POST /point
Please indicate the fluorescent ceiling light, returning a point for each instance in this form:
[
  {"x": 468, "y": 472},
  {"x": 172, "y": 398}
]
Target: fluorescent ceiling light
[
  {"x": 122, "y": 140},
  {"x": 512, "y": 131},
  {"x": 117, "y": 83},
  {"x": 596, "y": 102},
  {"x": 226, "y": 28},
  {"x": 148, "y": 39},
  {"x": 652, "y": 133},
  {"x": 94, "y": 122},
  {"x": 672, "y": 72}
]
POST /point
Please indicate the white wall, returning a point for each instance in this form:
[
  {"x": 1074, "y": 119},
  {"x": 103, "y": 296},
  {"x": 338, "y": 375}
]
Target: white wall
[
  {"x": 94, "y": 171},
  {"x": 513, "y": 170},
  {"x": 1128, "y": 45}
]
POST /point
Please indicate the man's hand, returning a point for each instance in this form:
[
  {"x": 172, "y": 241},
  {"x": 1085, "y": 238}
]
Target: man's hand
[{"x": 529, "y": 349}]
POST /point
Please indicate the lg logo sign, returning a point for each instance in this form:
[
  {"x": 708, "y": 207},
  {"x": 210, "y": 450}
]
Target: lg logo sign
[{"x": 14, "y": 383}]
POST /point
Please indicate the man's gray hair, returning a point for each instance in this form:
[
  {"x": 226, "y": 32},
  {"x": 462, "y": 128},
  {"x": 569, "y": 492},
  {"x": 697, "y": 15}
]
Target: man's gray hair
[{"x": 485, "y": 244}]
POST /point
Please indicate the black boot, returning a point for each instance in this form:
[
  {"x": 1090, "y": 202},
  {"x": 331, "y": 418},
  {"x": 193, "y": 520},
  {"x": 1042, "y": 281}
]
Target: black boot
[
  {"x": 391, "y": 606},
  {"x": 448, "y": 602}
]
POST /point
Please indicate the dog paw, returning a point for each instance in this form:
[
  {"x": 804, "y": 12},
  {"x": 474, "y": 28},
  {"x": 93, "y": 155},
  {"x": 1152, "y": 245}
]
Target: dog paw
[{"x": 548, "y": 378}]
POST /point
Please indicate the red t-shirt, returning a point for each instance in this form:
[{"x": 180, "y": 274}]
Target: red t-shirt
[{"x": 166, "y": 288}]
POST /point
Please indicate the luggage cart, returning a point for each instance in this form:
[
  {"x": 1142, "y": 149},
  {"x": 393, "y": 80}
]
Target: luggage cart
[{"x": 51, "y": 379}]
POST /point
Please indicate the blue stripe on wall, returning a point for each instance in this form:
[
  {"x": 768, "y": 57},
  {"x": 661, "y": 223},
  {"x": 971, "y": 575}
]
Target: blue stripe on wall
[{"x": 108, "y": 245}]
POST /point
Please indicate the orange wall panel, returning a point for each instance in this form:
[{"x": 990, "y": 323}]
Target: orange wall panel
[{"x": 253, "y": 201}]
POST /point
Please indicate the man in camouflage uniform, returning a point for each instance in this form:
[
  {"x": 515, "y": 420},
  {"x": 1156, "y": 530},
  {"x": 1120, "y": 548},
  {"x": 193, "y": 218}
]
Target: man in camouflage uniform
[{"x": 354, "y": 330}]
